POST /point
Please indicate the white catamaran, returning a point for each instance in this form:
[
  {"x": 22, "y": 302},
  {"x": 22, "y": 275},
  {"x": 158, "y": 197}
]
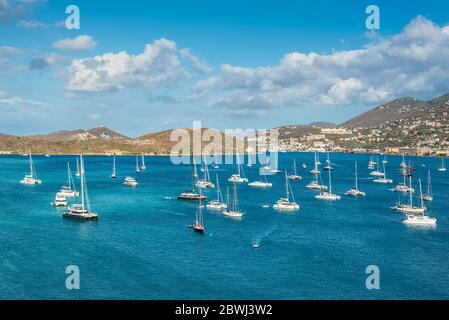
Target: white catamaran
[
  {"x": 410, "y": 208},
  {"x": 285, "y": 204},
  {"x": 383, "y": 179},
  {"x": 315, "y": 166},
  {"x": 294, "y": 175},
  {"x": 260, "y": 183},
  {"x": 355, "y": 192},
  {"x": 143, "y": 167},
  {"x": 31, "y": 178},
  {"x": 428, "y": 196},
  {"x": 329, "y": 196},
  {"x": 205, "y": 182},
  {"x": 419, "y": 218},
  {"x": 137, "y": 165},
  {"x": 69, "y": 190},
  {"x": 82, "y": 211},
  {"x": 77, "y": 173},
  {"x": 217, "y": 204},
  {"x": 238, "y": 177}
]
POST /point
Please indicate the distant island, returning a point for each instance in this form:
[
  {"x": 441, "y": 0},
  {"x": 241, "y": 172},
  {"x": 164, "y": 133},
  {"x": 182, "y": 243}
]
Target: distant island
[{"x": 403, "y": 126}]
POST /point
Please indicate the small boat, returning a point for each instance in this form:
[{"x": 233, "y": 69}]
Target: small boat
[
  {"x": 315, "y": 168},
  {"x": 255, "y": 246},
  {"x": 60, "y": 200},
  {"x": 233, "y": 210},
  {"x": 31, "y": 178},
  {"x": 143, "y": 167},
  {"x": 82, "y": 211},
  {"x": 47, "y": 156},
  {"x": 130, "y": 181},
  {"x": 328, "y": 196},
  {"x": 383, "y": 179},
  {"x": 355, "y": 192},
  {"x": 137, "y": 165},
  {"x": 238, "y": 177},
  {"x": 442, "y": 168},
  {"x": 114, "y": 173},
  {"x": 328, "y": 165},
  {"x": 260, "y": 183},
  {"x": 304, "y": 166},
  {"x": 198, "y": 226},
  {"x": 285, "y": 204},
  {"x": 218, "y": 203},
  {"x": 428, "y": 196},
  {"x": 294, "y": 175}
]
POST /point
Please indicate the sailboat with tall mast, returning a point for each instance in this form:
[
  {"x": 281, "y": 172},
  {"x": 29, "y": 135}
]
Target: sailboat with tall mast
[
  {"x": 77, "y": 173},
  {"x": 69, "y": 190},
  {"x": 261, "y": 183},
  {"x": 419, "y": 217},
  {"x": 31, "y": 178},
  {"x": 442, "y": 168},
  {"x": 328, "y": 196},
  {"x": 143, "y": 166},
  {"x": 328, "y": 165},
  {"x": 137, "y": 165},
  {"x": 355, "y": 191},
  {"x": 205, "y": 182},
  {"x": 218, "y": 203},
  {"x": 315, "y": 166},
  {"x": 428, "y": 196},
  {"x": 81, "y": 211},
  {"x": 191, "y": 194},
  {"x": 405, "y": 171},
  {"x": 198, "y": 226},
  {"x": 233, "y": 211},
  {"x": 383, "y": 179},
  {"x": 377, "y": 172},
  {"x": 114, "y": 173},
  {"x": 294, "y": 175},
  {"x": 287, "y": 204},
  {"x": 316, "y": 184},
  {"x": 410, "y": 208},
  {"x": 238, "y": 177}
]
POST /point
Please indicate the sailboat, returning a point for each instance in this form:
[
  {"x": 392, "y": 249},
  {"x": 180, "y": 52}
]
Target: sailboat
[
  {"x": 428, "y": 196},
  {"x": 318, "y": 159},
  {"x": 198, "y": 226},
  {"x": 442, "y": 168},
  {"x": 285, "y": 204},
  {"x": 328, "y": 196},
  {"x": 314, "y": 185},
  {"x": 250, "y": 162},
  {"x": 130, "y": 182},
  {"x": 217, "y": 204},
  {"x": 260, "y": 183},
  {"x": 315, "y": 168},
  {"x": 205, "y": 182},
  {"x": 191, "y": 194},
  {"x": 69, "y": 190},
  {"x": 328, "y": 163},
  {"x": 371, "y": 163},
  {"x": 402, "y": 186},
  {"x": 294, "y": 175},
  {"x": 31, "y": 178},
  {"x": 233, "y": 211},
  {"x": 409, "y": 208},
  {"x": 237, "y": 177},
  {"x": 77, "y": 173},
  {"x": 385, "y": 161},
  {"x": 81, "y": 211},
  {"x": 60, "y": 200},
  {"x": 137, "y": 165},
  {"x": 418, "y": 217},
  {"x": 355, "y": 191},
  {"x": 114, "y": 173},
  {"x": 143, "y": 167},
  {"x": 383, "y": 179},
  {"x": 378, "y": 172}
]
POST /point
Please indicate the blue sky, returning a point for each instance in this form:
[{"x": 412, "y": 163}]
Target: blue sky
[{"x": 230, "y": 64}]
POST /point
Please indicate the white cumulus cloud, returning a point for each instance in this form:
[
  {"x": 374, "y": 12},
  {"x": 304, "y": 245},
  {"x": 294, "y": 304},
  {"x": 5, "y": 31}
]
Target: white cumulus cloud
[{"x": 79, "y": 43}]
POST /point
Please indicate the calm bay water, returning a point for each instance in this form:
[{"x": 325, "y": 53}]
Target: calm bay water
[{"x": 142, "y": 248}]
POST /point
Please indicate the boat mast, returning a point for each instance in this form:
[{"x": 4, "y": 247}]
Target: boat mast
[
  {"x": 286, "y": 187},
  {"x": 113, "y": 166},
  {"x": 420, "y": 193},
  {"x": 410, "y": 191},
  {"x": 31, "y": 166},
  {"x": 294, "y": 166},
  {"x": 356, "y": 178},
  {"x": 82, "y": 182},
  {"x": 235, "y": 205},
  {"x": 429, "y": 185},
  {"x": 330, "y": 182}
]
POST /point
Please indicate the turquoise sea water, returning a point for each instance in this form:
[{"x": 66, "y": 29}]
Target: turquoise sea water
[{"x": 141, "y": 248}]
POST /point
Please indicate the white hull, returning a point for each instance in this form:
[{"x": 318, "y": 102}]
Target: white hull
[
  {"x": 30, "y": 181},
  {"x": 216, "y": 205},
  {"x": 233, "y": 214},
  {"x": 383, "y": 181},
  {"x": 316, "y": 186},
  {"x": 260, "y": 184},
  {"x": 327, "y": 196},
  {"x": 237, "y": 179},
  {"x": 286, "y": 206},
  {"x": 420, "y": 221},
  {"x": 355, "y": 193},
  {"x": 294, "y": 177},
  {"x": 204, "y": 184}
]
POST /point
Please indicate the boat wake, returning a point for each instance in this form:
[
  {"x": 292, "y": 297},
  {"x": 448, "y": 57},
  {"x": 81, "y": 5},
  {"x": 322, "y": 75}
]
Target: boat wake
[{"x": 258, "y": 240}]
